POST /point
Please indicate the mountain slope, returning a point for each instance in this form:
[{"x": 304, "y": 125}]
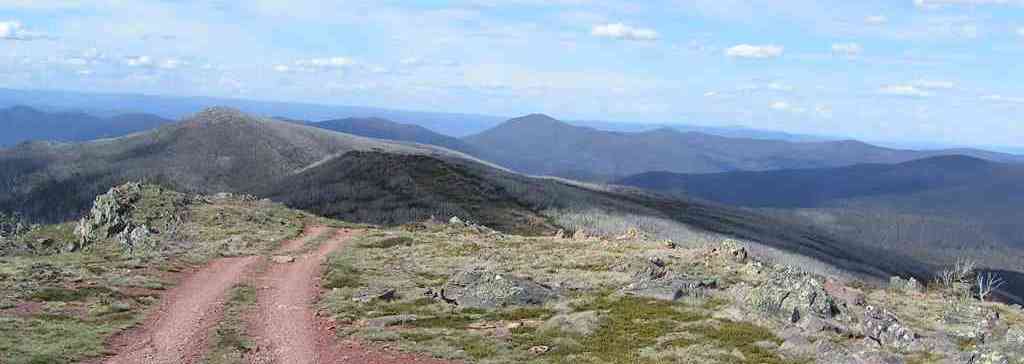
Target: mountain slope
[
  {"x": 386, "y": 129},
  {"x": 538, "y": 144},
  {"x": 21, "y": 123},
  {"x": 926, "y": 181},
  {"x": 937, "y": 209},
  {"x": 215, "y": 150},
  {"x": 370, "y": 180}
]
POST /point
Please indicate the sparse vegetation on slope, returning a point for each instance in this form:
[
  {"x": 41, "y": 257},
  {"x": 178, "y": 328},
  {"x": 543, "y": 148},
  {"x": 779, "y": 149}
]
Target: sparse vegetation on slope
[
  {"x": 65, "y": 305},
  {"x": 398, "y": 291}
]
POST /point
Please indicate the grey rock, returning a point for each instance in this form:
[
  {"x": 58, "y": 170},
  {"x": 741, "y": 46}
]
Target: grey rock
[
  {"x": 883, "y": 327},
  {"x": 383, "y": 294},
  {"x": 794, "y": 294},
  {"x": 580, "y": 323},
  {"x": 480, "y": 287}
]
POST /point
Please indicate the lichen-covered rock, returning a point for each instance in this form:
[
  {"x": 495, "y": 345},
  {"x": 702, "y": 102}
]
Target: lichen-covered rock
[
  {"x": 136, "y": 239},
  {"x": 795, "y": 294},
  {"x": 909, "y": 285},
  {"x": 654, "y": 280},
  {"x": 579, "y": 323},
  {"x": 885, "y": 328},
  {"x": 970, "y": 323},
  {"x": 479, "y": 287},
  {"x": 110, "y": 215}
]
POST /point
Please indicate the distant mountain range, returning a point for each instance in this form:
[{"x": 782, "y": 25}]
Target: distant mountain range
[
  {"x": 936, "y": 209},
  {"x": 387, "y": 129},
  {"x": 452, "y": 124},
  {"x": 21, "y": 123},
  {"x": 538, "y": 144},
  {"x": 367, "y": 180}
]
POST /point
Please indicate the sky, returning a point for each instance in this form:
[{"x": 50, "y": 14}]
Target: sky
[{"x": 938, "y": 71}]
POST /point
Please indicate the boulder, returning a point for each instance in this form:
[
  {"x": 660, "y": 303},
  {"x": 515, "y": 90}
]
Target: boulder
[
  {"x": 369, "y": 295},
  {"x": 883, "y": 327},
  {"x": 653, "y": 280},
  {"x": 794, "y": 294},
  {"x": 110, "y": 216},
  {"x": 455, "y": 220},
  {"x": 669, "y": 288},
  {"x": 479, "y": 287},
  {"x": 970, "y": 323},
  {"x": 580, "y": 235},
  {"x": 909, "y": 285},
  {"x": 579, "y": 323}
]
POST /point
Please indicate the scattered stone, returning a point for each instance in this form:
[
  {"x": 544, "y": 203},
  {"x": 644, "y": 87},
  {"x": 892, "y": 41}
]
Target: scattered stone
[
  {"x": 386, "y": 321},
  {"x": 580, "y": 235},
  {"x": 670, "y": 244},
  {"x": 844, "y": 294},
  {"x": 381, "y": 294},
  {"x": 455, "y": 220},
  {"x": 480, "y": 287},
  {"x": 885, "y": 328},
  {"x": 282, "y": 259},
  {"x": 539, "y": 349},
  {"x": 579, "y": 323},
  {"x": 560, "y": 234}
]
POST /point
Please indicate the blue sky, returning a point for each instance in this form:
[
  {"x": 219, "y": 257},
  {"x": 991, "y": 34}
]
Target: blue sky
[{"x": 943, "y": 71}]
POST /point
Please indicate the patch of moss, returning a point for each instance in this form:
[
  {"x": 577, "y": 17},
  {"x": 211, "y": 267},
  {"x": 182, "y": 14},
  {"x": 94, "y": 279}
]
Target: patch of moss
[
  {"x": 388, "y": 243},
  {"x": 341, "y": 273},
  {"x": 61, "y": 294},
  {"x": 742, "y": 336},
  {"x": 56, "y": 339}
]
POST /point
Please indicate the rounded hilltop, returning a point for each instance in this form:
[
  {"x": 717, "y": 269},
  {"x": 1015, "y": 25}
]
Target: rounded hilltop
[{"x": 221, "y": 115}]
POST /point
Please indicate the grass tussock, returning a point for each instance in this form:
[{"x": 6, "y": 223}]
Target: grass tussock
[{"x": 230, "y": 341}]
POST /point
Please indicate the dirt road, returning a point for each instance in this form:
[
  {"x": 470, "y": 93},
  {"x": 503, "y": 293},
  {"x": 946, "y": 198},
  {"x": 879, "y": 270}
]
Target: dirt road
[
  {"x": 284, "y": 322},
  {"x": 177, "y": 331}
]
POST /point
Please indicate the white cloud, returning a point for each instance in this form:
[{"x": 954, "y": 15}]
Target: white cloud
[
  {"x": 904, "y": 90},
  {"x": 847, "y": 49},
  {"x": 786, "y": 107},
  {"x": 171, "y": 63},
  {"x": 14, "y": 30},
  {"x": 824, "y": 111},
  {"x": 282, "y": 68},
  {"x": 624, "y": 32},
  {"x": 876, "y": 19},
  {"x": 411, "y": 61},
  {"x": 754, "y": 51},
  {"x": 935, "y": 4},
  {"x": 711, "y": 94},
  {"x": 325, "y": 63},
  {"x": 1006, "y": 99},
  {"x": 1020, "y": 31},
  {"x": 935, "y": 84},
  {"x": 139, "y": 61}
]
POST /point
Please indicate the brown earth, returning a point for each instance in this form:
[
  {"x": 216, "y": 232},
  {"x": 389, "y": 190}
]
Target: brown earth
[{"x": 177, "y": 330}]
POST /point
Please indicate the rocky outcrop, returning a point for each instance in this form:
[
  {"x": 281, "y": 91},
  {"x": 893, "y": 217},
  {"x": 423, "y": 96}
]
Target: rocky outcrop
[
  {"x": 479, "y": 287},
  {"x": 794, "y": 294},
  {"x": 654, "y": 280},
  {"x": 885, "y": 328},
  {"x": 111, "y": 216}
]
